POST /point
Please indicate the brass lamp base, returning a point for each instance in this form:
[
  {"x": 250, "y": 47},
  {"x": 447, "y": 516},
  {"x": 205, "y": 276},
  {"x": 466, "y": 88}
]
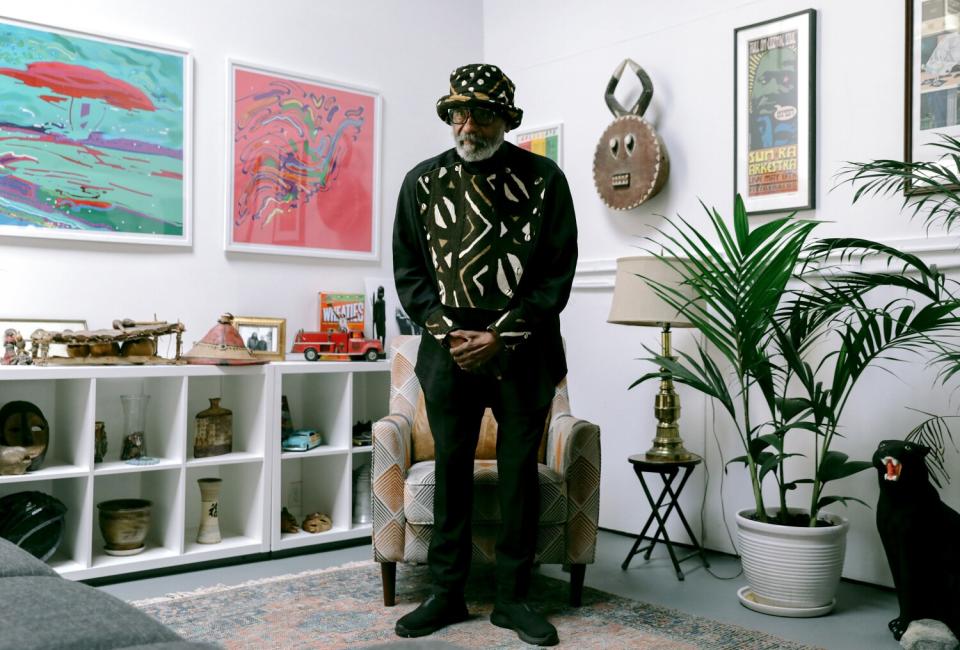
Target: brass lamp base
[
  {"x": 668, "y": 449},
  {"x": 667, "y": 445}
]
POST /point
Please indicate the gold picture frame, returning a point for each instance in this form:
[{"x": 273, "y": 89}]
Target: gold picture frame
[
  {"x": 27, "y": 326},
  {"x": 266, "y": 338}
]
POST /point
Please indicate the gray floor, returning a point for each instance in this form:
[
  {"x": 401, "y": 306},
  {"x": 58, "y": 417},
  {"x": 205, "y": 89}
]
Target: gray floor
[{"x": 859, "y": 620}]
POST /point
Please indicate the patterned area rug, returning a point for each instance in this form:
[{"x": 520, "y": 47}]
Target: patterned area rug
[{"x": 342, "y": 607}]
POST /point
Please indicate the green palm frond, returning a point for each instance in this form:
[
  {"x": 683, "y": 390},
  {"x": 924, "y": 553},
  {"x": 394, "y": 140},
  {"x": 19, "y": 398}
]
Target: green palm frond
[
  {"x": 933, "y": 433},
  {"x": 930, "y": 189}
]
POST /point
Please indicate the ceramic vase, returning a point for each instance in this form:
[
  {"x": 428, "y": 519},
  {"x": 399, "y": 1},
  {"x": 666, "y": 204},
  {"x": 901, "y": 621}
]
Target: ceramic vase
[
  {"x": 134, "y": 425},
  {"x": 124, "y": 524},
  {"x": 209, "y": 532},
  {"x": 361, "y": 494},
  {"x": 214, "y": 431}
]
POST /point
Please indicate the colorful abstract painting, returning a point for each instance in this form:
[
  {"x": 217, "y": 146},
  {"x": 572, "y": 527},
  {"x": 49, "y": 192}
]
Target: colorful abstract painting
[
  {"x": 546, "y": 141},
  {"x": 304, "y": 166},
  {"x": 94, "y": 138}
]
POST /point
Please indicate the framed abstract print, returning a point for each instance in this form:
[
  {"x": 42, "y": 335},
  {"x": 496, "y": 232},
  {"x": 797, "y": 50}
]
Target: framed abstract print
[
  {"x": 545, "y": 140},
  {"x": 932, "y": 76},
  {"x": 774, "y": 159},
  {"x": 96, "y": 137},
  {"x": 304, "y": 165}
]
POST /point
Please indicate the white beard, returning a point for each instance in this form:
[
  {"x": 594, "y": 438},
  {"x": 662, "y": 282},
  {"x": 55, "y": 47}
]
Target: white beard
[{"x": 474, "y": 148}]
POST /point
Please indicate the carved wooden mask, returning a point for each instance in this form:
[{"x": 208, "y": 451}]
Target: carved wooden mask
[
  {"x": 22, "y": 425},
  {"x": 630, "y": 164}
]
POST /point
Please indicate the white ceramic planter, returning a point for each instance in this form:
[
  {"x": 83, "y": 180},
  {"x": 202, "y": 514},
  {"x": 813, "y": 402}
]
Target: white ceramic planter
[{"x": 791, "y": 570}]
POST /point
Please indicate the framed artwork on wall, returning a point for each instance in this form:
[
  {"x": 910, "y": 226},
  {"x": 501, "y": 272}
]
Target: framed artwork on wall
[
  {"x": 932, "y": 81},
  {"x": 96, "y": 137},
  {"x": 304, "y": 165},
  {"x": 774, "y": 161},
  {"x": 264, "y": 337},
  {"x": 545, "y": 140}
]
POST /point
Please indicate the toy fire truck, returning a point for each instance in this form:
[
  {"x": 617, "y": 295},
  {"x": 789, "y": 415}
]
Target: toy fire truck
[{"x": 336, "y": 346}]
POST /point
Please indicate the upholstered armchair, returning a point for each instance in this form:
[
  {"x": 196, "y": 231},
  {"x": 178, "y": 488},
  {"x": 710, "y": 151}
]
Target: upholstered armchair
[{"x": 403, "y": 476}]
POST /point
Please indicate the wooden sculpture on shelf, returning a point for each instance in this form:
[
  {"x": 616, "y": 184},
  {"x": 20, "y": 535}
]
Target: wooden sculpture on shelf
[
  {"x": 317, "y": 522},
  {"x": 128, "y": 343}
]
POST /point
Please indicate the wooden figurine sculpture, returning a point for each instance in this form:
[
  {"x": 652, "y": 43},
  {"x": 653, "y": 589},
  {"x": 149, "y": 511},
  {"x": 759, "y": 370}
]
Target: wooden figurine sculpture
[
  {"x": 920, "y": 535},
  {"x": 317, "y": 522},
  {"x": 288, "y": 523}
]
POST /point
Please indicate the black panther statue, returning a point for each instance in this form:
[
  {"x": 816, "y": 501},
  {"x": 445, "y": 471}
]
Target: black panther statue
[{"x": 920, "y": 535}]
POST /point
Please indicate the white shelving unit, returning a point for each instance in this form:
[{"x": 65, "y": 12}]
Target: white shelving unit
[
  {"x": 258, "y": 479},
  {"x": 72, "y": 398},
  {"x": 329, "y": 397}
]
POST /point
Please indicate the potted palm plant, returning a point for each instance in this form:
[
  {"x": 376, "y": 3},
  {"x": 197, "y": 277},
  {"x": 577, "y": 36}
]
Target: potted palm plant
[{"x": 797, "y": 331}]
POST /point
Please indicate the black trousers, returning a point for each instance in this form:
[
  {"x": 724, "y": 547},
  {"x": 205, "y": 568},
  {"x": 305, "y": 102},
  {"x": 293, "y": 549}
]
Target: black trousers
[{"x": 455, "y": 423}]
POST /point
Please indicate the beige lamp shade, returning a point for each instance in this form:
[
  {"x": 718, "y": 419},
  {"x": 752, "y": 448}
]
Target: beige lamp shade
[{"x": 636, "y": 303}]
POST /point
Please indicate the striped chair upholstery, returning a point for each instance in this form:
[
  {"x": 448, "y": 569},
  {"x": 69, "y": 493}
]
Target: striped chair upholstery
[{"x": 403, "y": 484}]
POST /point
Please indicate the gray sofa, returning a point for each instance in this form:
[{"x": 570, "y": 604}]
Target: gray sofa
[{"x": 39, "y": 610}]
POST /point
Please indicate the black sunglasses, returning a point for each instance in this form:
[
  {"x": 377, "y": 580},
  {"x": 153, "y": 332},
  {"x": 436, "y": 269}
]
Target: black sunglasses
[{"x": 481, "y": 116}]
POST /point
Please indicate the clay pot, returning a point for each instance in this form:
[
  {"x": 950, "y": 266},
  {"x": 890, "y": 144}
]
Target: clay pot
[
  {"x": 78, "y": 350},
  {"x": 109, "y": 349},
  {"x": 124, "y": 524},
  {"x": 138, "y": 348}
]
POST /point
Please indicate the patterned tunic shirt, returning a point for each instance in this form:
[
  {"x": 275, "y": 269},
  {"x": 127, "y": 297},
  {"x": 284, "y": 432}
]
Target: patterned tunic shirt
[{"x": 492, "y": 242}]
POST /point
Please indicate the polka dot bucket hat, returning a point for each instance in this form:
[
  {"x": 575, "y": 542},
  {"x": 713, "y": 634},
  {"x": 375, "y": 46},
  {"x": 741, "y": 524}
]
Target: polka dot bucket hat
[{"x": 481, "y": 84}]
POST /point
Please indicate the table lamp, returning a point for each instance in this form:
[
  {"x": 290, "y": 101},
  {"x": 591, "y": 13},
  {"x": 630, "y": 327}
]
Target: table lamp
[{"x": 636, "y": 303}]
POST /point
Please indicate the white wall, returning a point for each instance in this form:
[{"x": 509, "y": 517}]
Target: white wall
[
  {"x": 561, "y": 54},
  {"x": 405, "y": 51}
]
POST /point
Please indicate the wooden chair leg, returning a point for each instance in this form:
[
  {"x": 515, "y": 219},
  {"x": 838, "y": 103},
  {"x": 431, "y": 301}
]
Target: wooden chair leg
[
  {"x": 577, "y": 571},
  {"x": 388, "y": 576}
]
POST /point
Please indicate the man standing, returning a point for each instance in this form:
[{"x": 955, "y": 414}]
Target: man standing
[{"x": 484, "y": 251}]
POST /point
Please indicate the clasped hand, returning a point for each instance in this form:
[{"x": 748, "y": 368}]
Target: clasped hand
[{"x": 471, "y": 349}]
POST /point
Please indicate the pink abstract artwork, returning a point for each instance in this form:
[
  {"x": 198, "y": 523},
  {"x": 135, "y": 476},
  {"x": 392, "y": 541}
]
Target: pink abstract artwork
[{"x": 303, "y": 165}]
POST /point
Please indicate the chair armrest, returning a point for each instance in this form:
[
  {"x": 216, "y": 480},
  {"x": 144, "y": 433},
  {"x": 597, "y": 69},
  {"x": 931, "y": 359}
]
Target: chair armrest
[
  {"x": 573, "y": 451},
  {"x": 391, "y": 460}
]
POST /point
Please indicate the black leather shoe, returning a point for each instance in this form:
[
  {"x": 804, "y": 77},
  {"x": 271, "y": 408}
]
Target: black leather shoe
[
  {"x": 434, "y": 613},
  {"x": 530, "y": 626}
]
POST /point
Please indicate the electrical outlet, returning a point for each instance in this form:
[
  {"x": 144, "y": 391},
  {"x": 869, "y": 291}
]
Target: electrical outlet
[{"x": 295, "y": 495}]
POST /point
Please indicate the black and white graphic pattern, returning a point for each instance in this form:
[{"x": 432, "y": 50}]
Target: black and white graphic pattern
[{"x": 481, "y": 231}]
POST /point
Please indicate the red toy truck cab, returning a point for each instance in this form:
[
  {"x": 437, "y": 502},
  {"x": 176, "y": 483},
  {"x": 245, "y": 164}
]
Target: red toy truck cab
[{"x": 336, "y": 345}]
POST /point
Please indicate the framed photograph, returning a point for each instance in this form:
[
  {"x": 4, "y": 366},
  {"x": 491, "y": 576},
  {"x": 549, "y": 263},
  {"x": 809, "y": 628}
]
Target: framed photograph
[
  {"x": 545, "y": 140},
  {"x": 27, "y": 326},
  {"x": 264, "y": 337},
  {"x": 96, "y": 137},
  {"x": 774, "y": 160},
  {"x": 303, "y": 165},
  {"x": 932, "y": 79}
]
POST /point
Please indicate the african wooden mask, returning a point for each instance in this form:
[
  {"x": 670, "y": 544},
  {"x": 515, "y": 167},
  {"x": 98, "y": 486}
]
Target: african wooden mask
[
  {"x": 630, "y": 164},
  {"x": 22, "y": 425}
]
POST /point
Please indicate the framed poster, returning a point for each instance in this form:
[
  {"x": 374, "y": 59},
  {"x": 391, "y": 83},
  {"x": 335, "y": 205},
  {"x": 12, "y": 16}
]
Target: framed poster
[
  {"x": 932, "y": 79},
  {"x": 96, "y": 137},
  {"x": 774, "y": 161},
  {"x": 304, "y": 165},
  {"x": 545, "y": 140}
]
